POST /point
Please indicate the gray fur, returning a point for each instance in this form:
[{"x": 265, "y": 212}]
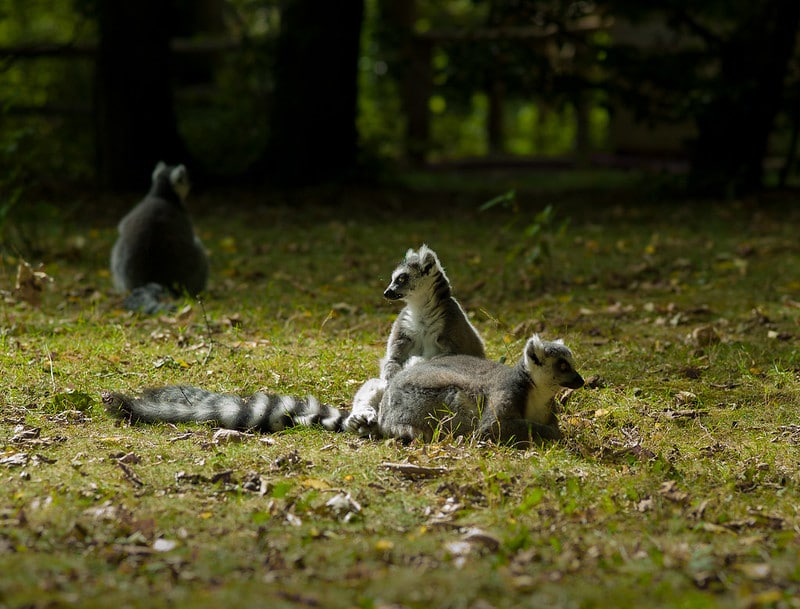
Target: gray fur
[
  {"x": 149, "y": 299},
  {"x": 261, "y": 411},
  {"x": 432, "y": 323},
  {"x": 465, "y": 395},
  {"x": 156, "y": 243}
]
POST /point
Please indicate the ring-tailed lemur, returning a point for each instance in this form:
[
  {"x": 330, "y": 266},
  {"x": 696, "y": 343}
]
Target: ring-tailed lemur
[
  {"x": 463, "y": 395},
  {"x": 157, "y": 249},
  {"x": 431, "y": 323},
  {"x": 261, "y": 411},
  {"x": 456, "y": 394}
]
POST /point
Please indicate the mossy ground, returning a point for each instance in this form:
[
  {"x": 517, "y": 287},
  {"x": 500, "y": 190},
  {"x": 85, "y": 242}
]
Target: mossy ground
[{"x": 676, "y": 484}]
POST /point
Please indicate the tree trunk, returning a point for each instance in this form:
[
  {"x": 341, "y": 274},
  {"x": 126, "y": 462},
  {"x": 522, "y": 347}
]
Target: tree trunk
[
  {"x": 313, "y": 134},
  {"x": 135, "y": 124},
  {"x": 410, "y": 63},
  {"x": 197, "y": 19},
  {"x": 733, "y": 132}
]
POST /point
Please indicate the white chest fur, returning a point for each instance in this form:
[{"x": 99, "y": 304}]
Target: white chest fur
[
  {"x": 423, "y": 332},
  {"x": 537, "y": 406}
]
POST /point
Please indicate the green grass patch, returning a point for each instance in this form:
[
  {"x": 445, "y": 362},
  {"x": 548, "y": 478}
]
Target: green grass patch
[{"x": 676, "y": 484}]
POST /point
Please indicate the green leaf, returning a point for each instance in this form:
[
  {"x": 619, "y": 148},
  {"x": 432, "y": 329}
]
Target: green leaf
[{"x": 504, "y": 199}]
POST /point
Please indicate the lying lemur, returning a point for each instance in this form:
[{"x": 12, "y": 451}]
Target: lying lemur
[
  {"x": 467, "y": 395},
  {"x": 459, "y": 395},
  {"x": 432, "y": 323},
  {"x": 157, "y": 251}
]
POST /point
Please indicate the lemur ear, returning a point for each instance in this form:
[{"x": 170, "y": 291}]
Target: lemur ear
[
  {"x": 427, "y": 259},
  {"x": 159, "y": 166},
  {"x": 178, "y": 174},
  {"x": 534, "y": 349}
]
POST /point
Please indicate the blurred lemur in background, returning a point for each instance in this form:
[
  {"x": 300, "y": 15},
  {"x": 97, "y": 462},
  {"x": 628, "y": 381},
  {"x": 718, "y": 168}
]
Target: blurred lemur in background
[{"x": 157, "y": 252}]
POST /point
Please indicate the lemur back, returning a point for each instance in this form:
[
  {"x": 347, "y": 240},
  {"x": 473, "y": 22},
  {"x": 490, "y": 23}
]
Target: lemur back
[
  {"x": 432, "y": 323},
  {"x": 467, "y": 395},
  {"x": 457, "y": 394},
  {"x": 157, "y": 244}
]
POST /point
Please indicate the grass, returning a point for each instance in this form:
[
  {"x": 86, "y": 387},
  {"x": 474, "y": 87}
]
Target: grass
[{"x": 676, "y": 484}]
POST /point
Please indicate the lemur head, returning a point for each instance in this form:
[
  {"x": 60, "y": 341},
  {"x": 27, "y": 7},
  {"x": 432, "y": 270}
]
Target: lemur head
[
  {"x": 550, "y": 364},
  {"x": 419, "y": 271},
  {"x": 170, "y": 179}
]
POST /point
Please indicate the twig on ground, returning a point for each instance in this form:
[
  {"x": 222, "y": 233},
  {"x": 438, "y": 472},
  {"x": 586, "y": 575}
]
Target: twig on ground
[{"x": 411, "y": 470}]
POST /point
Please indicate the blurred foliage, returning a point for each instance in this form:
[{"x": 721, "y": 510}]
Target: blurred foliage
[
  {"x": 57, "y": 140},
  {"x": 550, "y": 57},
  {"x": 43, "y": 21},
  {"x": 380, "y": 123},
  {"x": 534, "y": 244},
  {"x": 224, "y": 118}
]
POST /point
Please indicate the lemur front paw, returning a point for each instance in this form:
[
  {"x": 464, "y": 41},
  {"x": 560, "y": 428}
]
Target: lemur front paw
[{"x": 363, "y": 423}]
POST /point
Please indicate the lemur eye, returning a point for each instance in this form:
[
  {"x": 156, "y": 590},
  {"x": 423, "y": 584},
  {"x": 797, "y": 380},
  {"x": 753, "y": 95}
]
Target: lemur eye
[
  {"x": 402, "y": 278},
  {"x": 564, "y": 366}
]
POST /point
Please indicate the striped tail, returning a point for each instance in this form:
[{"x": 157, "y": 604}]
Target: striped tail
[{"x": 260, "y": 411}]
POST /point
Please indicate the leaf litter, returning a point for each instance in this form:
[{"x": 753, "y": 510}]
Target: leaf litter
[{"x": 385, "y": 494}]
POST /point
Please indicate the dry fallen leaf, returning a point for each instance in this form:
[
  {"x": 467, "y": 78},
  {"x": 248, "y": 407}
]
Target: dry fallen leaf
[
  {"x": 30, "y": 283},
  {"x": 105, "y": 511},
  {"x": 15, "y": 460},
  {"x": 669, "y": 490},
  {"x": 703, "y": 336},
  {"x": 293, "y": 520},
  {"x": 473, "y": 539},
  {"x": 223, "y": 477},
  {"x": 458, "y": 551},
  {"x": 255, "y": 484},
  {"x": 23, "y": 434},
  {"x": 291, "y": 460},
  {"x": 683, "y": 413},
  {"x": 343, "y": 506},
  {"x": 756, "y": 571},
  {"x": 686, "y": 398},
  {"x": 227, "y": 436},
  {"x": 443, "y": 513},
  {"x": 129, "y": 458},
  {"x": 479, "y": 537},
  {"x": 164, "y": 545},
  {"x": 316, "y": 483},
  {"x": 130, "y": 475}
]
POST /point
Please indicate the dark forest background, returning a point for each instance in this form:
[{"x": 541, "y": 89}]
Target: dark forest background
[{"x": 298, "y": 92}]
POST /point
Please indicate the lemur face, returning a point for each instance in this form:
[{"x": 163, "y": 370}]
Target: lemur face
[
  {"x": 402, "y": 283},
  {"x": 550, "y": 363},
  {"x": 412, "y": 273},
  {"x": 175, "y": 175},
  {"x": 180, "y": 181},
  {"x": 565, "y": 375}
]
